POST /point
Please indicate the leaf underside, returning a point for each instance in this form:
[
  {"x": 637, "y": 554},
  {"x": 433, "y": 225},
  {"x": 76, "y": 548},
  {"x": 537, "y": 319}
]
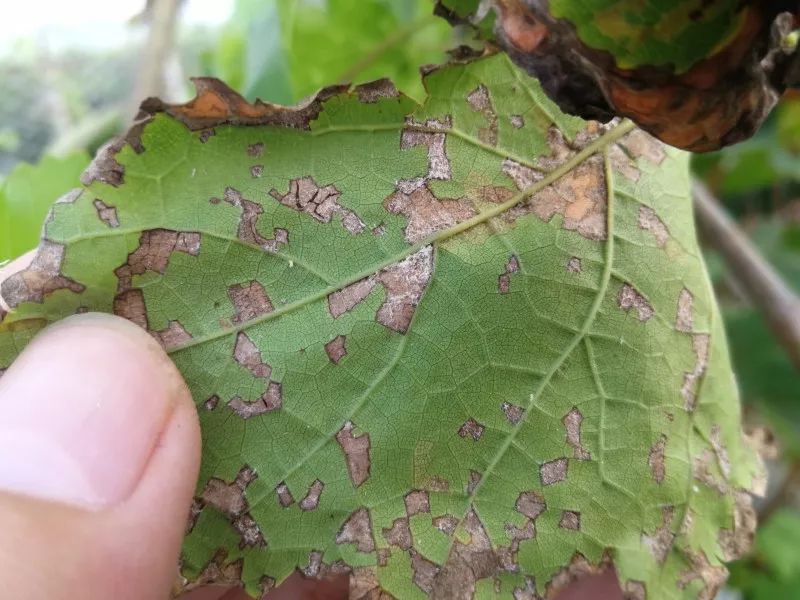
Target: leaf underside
[{"x": 460, "y": 349}]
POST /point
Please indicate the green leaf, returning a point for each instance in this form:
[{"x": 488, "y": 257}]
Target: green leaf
[
  {"x": 463, "y": 345},
  {"x": 26, "y": 196},
  {"x": 678, "y": 33},
  {"x": 777, "y": 544},
  {"x": 291, "y": 48}
]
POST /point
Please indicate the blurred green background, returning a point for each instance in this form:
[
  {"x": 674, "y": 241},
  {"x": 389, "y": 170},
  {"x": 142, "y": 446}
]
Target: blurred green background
[{"x": 71, "y": 80}]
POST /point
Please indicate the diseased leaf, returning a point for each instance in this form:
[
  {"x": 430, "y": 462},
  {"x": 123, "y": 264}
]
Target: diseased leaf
[
  {"x": 698, "y": 75},
  {"x": 461, "y": 348}
]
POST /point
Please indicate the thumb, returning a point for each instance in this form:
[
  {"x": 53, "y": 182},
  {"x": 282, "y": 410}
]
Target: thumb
[{"x": 99, "y": 454}]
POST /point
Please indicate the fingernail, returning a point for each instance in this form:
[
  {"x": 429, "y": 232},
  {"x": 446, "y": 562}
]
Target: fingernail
[{"x": 82, "y": 410}]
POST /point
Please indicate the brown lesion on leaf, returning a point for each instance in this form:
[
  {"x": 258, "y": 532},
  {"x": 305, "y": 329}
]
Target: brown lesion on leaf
[
  {"x": 285, "y": 497},
  {"x": 711, "y": 576},
  {"x": 446, "y": 524},
  {"x": 650, "y": 221},
  {"x": 315, "y": 565},
  {"x": 656, "y": 458},
  {"x": 211, "y": 403},
  {"x": 336, "y": 349},
  {"x": 349, "y": 297},
  {"x": 507, "y": 555},
  {"x": 691, "y": 380},
  {"x": 322, "y": 203},
  {"x": 467, "y": 563},
  {"x": 256, "y": 171},
  {"x": 265, "y": 585},
  {"x": 230, "y": 500},
  {"x": 472, "y": 429},
  {"x": 404, "y": 283},
  {"x": 578, "y": 568},
  {"x": 494, "y": 194},
  {"x": 40, "y": 278},
  {"x": 531, "y": 504},
  {"x": 433, "y": 135},
  {"x": 572, "y": 424},
  {"x": 255, "y": 149},
  {"x": 570, "y": 519},
  {"x": 625, "y": 154},
  {"x": 517, "y": 121},
  {"x": 364, "y": 585},
  {"x": 248, "y": 223},
  {"x": 194, "y": 513},
  {"x": 473, "y": 482},
  {"x": 172, "y": 336},
  {"x": 426, "y": 213},
  {"x": 271, "y": 400},
  {"x": 130, "y": 305},
  {"x": 424, "y": 572},
  {"x": 247, "y": 355},
  {"x": 763, "y": 442},
  {"x": 523, "y": 176},
  {"x": 513, "y": 412},
  {"x": 206, "y": 134},
  {"x": 105, "y": 168},
  {"x": 723, "y": 460},
  {"x": 154, "y": 252},
  {"x": 357, "y": 530},
  {"x": 661, "y": 540},
  {"x": 574, "y": 265},
  {"x": 480, "y": 101},
  {"x": 218, "y": 571},
  {"x": 702, "y": 471},
  {"x": 640, "y": 144},
  {"x": 250, "y": 300},
  {"x": 416, "y": 502},
  {"x": 634, "y": 590},
  {"x": 383, "y": 555},
  {"x": 106, "y": 213},
  {"x": 372, "y": 92},
  {"x": 216, "y": 104},
  {"x": 435, "y": 483},
  {"x": 528, "y": 592},
  {"x": 737, "y": 541},
  {"x": 399, "y": 534},
  {"x": 684, "y": 320},
  {"x": 311, "y": 500},
  {"x": 561, "y": 150},
  {"x": 579, "y": 196},
  {"x": 356, "y": 453},
  {"x": 630, "y": 298},
  {"x": 504, "y": 280},
  {"x": 553, "y": 471}
]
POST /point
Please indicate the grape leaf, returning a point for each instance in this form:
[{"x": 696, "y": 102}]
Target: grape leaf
[
  {"x": 695, "y": 74},
  {"x": 460, "y": 349}
]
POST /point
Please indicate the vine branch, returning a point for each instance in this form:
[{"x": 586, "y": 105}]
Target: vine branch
[{"x": 762, "y": 284}]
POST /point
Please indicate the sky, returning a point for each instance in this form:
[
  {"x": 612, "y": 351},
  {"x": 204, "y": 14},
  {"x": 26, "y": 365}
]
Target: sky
[{"x": 58, "y": 24}]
